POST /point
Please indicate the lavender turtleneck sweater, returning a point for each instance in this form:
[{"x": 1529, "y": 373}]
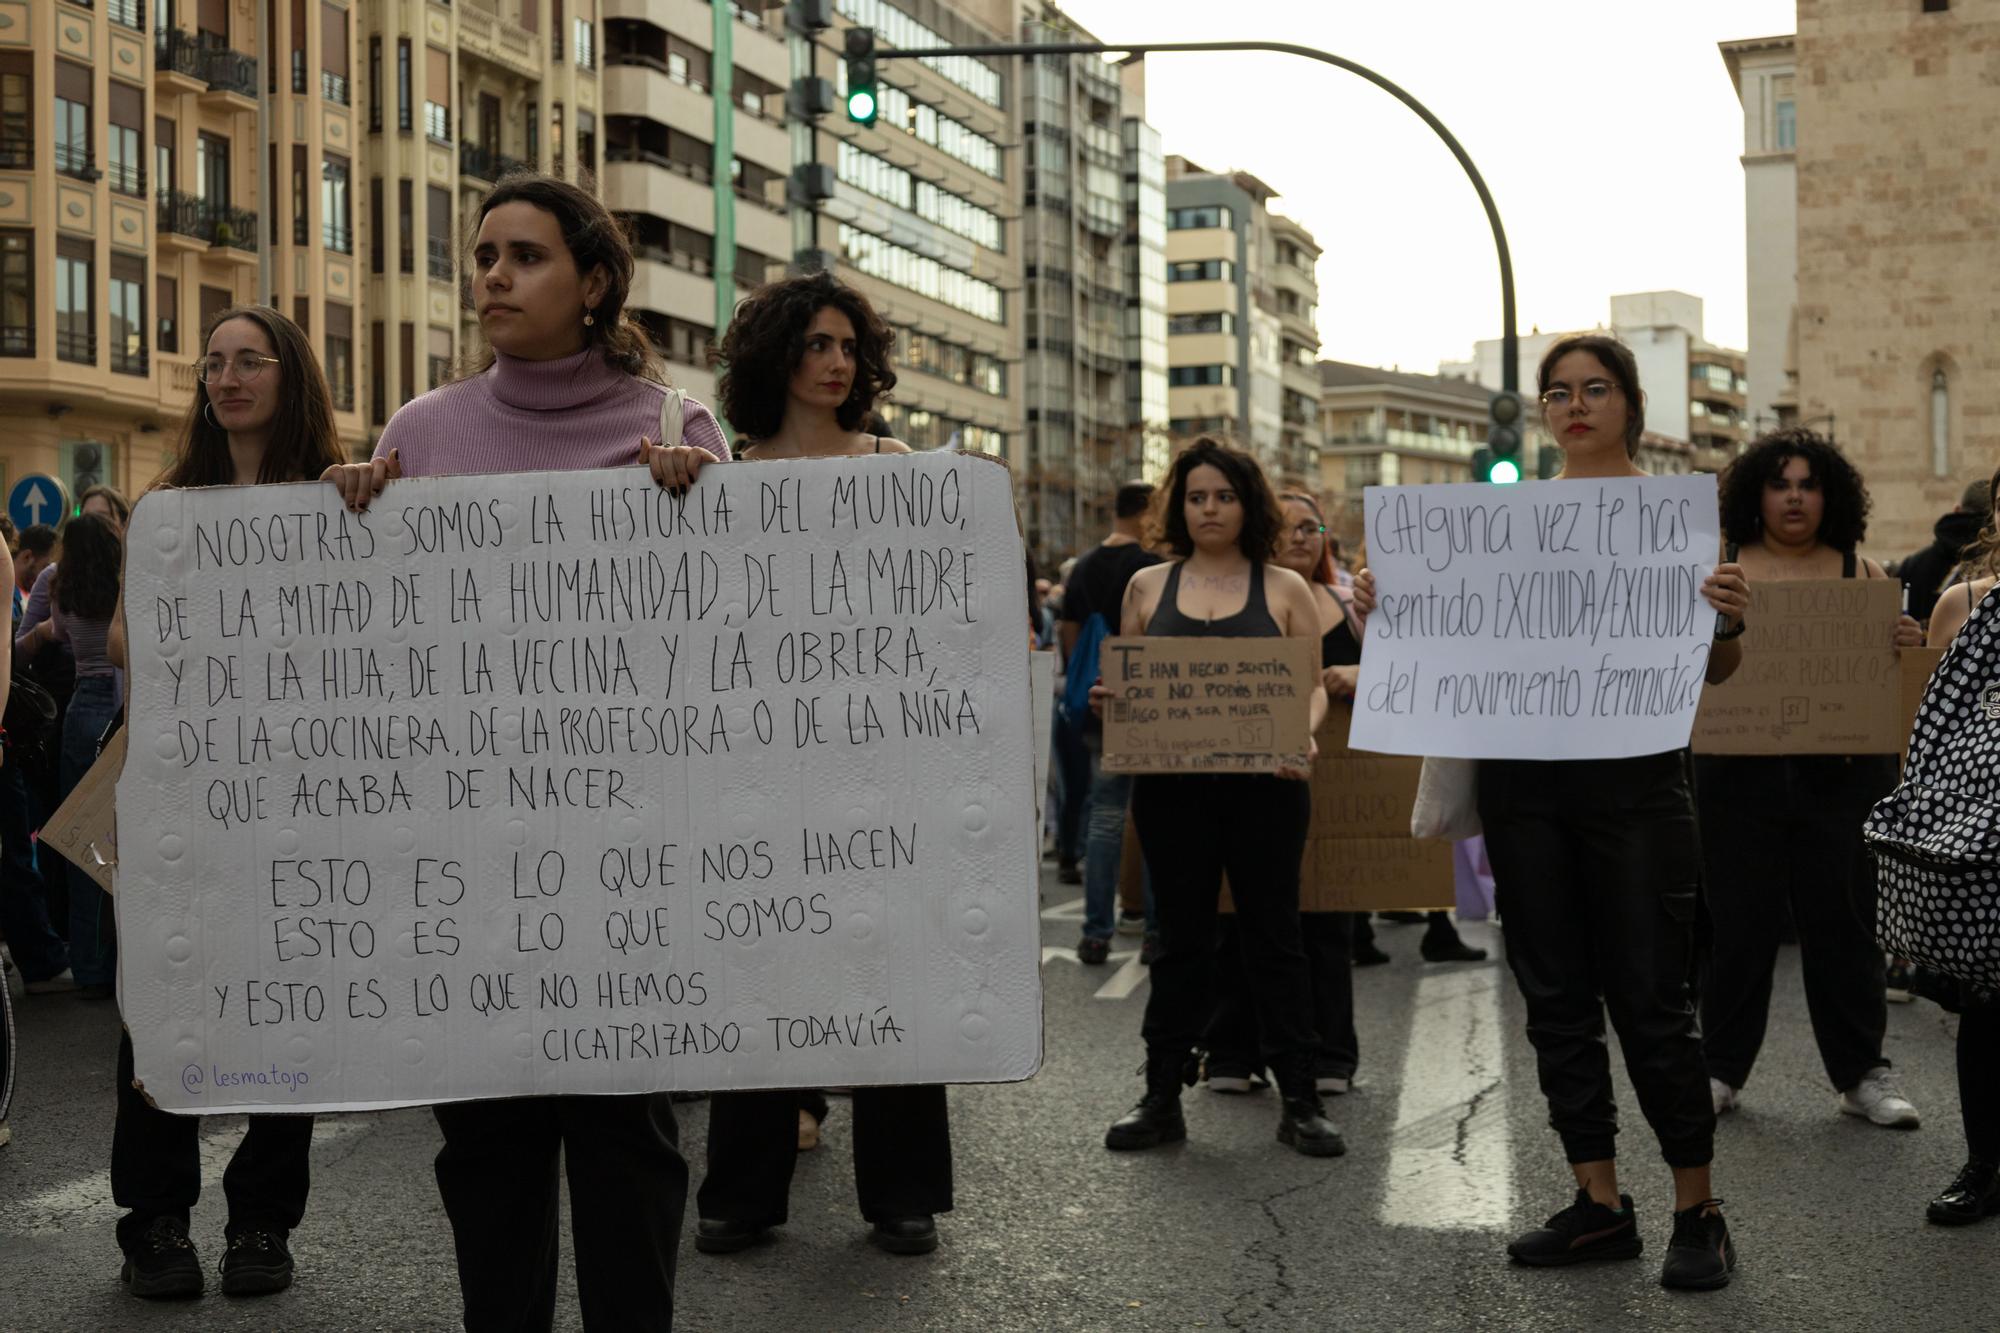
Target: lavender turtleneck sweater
[{"x": 538, "y": 416}]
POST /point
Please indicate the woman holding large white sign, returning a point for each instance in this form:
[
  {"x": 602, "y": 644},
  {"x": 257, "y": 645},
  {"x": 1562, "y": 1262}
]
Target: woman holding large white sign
[
  {"x": 1221, "y": 520},
  {"x": 1596, "y": 867},
  {"x": 1781, "y": 833},
  {"x": 572, "y": 384},
  {"x": 261, "y": 415}
]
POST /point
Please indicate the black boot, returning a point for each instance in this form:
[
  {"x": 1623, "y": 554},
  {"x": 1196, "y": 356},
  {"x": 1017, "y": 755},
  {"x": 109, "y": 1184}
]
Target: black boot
[
  {"x": 1304, "y": 1127},
  {"x": 1157, "y": 1119}
]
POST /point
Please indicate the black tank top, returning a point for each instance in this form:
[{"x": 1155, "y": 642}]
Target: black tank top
[
  {"x": 1338, "y": 646},
  {"x": 1849, "y": 566},
  {"x": 1252, "y": 622}
]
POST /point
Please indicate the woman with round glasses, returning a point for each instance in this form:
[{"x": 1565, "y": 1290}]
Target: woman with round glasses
[
  {"x": 1596, "y": 863},
  {"x": 261, "y": 415}
]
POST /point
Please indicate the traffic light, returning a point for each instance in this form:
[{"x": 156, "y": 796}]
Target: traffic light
[
  {"x": 862, "y": 88},
  {"x": 1500, "y": 461}
]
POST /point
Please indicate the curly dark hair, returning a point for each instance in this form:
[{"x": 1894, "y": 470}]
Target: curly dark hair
[
  {"x": 87, "y": 578},
  {"x": 1845, "y": 520},
  {"x": 1262, "y": 518},
  {"x": 1981, "y": 562},
  {"x": 767, "y": 339}
]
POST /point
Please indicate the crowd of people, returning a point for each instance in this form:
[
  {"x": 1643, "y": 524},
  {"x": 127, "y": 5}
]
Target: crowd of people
[{"x": 1653, "y": 891}]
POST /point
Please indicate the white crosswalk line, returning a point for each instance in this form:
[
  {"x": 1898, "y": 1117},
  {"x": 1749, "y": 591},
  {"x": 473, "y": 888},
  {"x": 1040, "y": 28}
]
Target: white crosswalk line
[
  {"x": 1069, "y": 911},
  {"x": 1126, "y": 979},
  {"x": 1451, "y": 1161},
  {"x": 86, "y": 1200}
]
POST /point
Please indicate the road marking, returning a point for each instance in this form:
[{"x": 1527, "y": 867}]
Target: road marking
[
  {"x": 86, "y": 1200},
  {"x": 1451, "y": 1158},
  {"x": 1070, "y": 911},
  {"x": 1120, "y": 984}
]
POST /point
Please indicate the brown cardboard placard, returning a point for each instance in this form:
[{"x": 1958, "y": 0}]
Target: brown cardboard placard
[
  {"x": 1917, "y": 666},
  {"x": 1819, "y": 673},
  {"x": 1201, "y": 705},
  {"x": 84, "y": 830}
]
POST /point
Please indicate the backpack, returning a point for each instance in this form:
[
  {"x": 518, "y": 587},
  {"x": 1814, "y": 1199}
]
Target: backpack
[
  {"x": 34, "y": 733},
  {"x": 1081, "y": 672},
  {"x": 1936, "y": 838}
]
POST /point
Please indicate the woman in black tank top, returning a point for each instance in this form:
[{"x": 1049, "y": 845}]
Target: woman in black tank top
[
  {"x": 1781, "y": 834},
  {"x": 1220, "y": 518}
]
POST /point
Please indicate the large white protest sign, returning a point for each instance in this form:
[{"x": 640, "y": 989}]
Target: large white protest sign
[
  {"x": 555, "y": 782},
  {"x": 1553, "y": 620}
]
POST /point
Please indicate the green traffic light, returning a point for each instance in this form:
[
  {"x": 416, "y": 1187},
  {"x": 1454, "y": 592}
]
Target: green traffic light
[
  {"x": 861, "y": 106},
  {"x": 1505, "y": 472}
]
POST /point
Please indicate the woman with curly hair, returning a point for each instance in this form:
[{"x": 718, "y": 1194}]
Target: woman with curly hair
[
  {"x": 1781, "y": 834},
  {"x": 1974, "y": 1194},
  {"x": 803, "y": 363},
  {"x": 1218, "y": 516}
]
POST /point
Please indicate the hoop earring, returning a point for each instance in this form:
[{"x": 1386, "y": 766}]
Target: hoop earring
[
  {"x": 588, "y": 318},
  {"x": 208, "y": 410}
]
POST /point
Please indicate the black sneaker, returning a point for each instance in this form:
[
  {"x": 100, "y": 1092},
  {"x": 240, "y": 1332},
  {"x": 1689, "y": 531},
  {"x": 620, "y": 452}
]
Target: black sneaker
[
  {"x": 1701, "y": 1256},
  {"x": 715, "y": 1236},
  {"x": 1584, "y": 1230},
  {"x": 162, "y": 1265},
  {"x": 256, "y": 1264},
  {"x": 1305, "y": 1129},
  {"x": 1149, "y": 948},
  {"x": 1154, "y": 1122},
  {"x": 1069, "y": 872},
  {"x": 1972, "y": 1196},
  {"x": 1092, "y": 950},
  {"x": 1368, "y": 955}
]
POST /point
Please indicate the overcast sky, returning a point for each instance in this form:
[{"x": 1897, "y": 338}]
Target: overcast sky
[{"x": 1607, "y": 131}]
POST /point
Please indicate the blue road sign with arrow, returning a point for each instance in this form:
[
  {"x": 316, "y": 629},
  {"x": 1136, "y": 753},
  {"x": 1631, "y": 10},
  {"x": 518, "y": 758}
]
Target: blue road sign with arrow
[{"x": 37, "y": 499}]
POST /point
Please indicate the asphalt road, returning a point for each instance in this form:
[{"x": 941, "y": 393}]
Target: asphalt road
[{"x": 1449, "y": 1156}]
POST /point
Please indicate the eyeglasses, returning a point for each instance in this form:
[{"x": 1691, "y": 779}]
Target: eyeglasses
[
  {"x": 247, "y": 365},
  {"x": 1595, "y": 392},
  {"x": 1305, "y": 531}
]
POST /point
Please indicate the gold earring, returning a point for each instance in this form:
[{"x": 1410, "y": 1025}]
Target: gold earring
[{"x": 588, "y": 319}]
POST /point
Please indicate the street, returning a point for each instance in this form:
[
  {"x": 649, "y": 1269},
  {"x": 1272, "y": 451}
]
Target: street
[{"x": 1449, "y": 1156}]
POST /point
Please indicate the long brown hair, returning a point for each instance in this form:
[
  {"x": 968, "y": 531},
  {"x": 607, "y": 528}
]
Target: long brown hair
[
  {"x": 302, "y": 443},
  {"x": 595, "y": 239}
]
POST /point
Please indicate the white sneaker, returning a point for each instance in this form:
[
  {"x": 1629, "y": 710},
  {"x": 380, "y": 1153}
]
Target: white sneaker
[
  {"x": 1880, "y": 1099},
  {"x": 1722, "y": 1095},
  {"x": 1332, "y": 1085}
]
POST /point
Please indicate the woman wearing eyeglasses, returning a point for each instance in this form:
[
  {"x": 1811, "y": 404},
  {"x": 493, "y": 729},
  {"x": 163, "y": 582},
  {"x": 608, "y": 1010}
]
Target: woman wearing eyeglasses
[
  {"x": 1596, "y": 863},
  {"x": 261, "y": 414},
  {"x": 1233, "y": 1063}
]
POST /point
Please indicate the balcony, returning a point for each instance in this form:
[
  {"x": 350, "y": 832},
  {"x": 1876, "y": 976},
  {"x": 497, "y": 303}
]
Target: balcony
[
  {"x": 230, "y": 75},
  {"x": 130, "y": 361},
  {"x": 498, "y": 42},
  {"x": 17, "y": 340},
  {"x": 74, "y": 161},
  {"x": 334, "y": 87},
  {"x": 218, "y": 225},
  {"x": 485, "y": 164},
  {"x": 128, "y": 178},
  {"x": 78, "y": 347},
  {"x": 438, "y": 255},
  {"x": 177, "y": 61}
]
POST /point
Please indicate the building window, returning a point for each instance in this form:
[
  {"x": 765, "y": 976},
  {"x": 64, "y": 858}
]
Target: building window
[
  {"x": 1201, "y": 270},
  {"x": 336, "y": 206},
  {"x": 586, "y": 44},
  {"x": 301, "y": 205},
  {"x": 406, "y": 225},
  {"x": 76, "y": 315},
  {"x": 1936, "y": 6},
  {"x": 556, "y": 141},
  {"x": 374, "y": 85},
  {"x": 212, "y": 171},
  {"x": 126, "y": 14},
  {"x": 378, "y": 372},
  {"x": 929, "y": 125},
  {"x": 403, "y": 84},
  {"x": 687, "y": 64},
  {"x": 533, "y": 123},
  {"x": 128, "y": 315},
  {"x": 376, "y": 234},
  {"x": 586, "y": 142},
  {"x": 17, "y": 109},
  {"x": 437, "y": 223},
  {"x": 1182, "y": 377},
  {"x": 128, "y": 139},
  {"x": 1200, "y": 219},
  {"x": 340, "y": 355},
  {"x": 923, "y": 275},
  {"x": 440, "y": 355},
  {"x": 165, "y": 178},
  {"x": 409, "y": 360},
  {"x": 1788, "y": 124},
  {"x": 167, "y": 311},
  {"x": 17, "y": 293},
  {"x": 898, "y": 28},
  {"x": 333, "y": 53},
  {"x": 1940, "y": 422},
  {"x": 1217, "y": 321},
  {"x": 73, "y": 156},
  {"x": 437, "y": 94}
]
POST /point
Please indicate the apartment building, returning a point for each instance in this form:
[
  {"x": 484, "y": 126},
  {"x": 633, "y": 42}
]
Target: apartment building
[
  {"x": 924, "y": 215},
  {"x": 1392, "y": 428},
  {"x": 1242, "y": 307},
  {"x": 157, "y": 166},
  {"x": 1764, "y": 72},
  {"x": 1147, "y": 412}
]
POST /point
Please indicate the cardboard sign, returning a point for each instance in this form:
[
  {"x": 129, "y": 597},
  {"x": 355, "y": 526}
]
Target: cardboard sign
[
  {"x": 1188, "y": 705},
  {"x": 1819, "y": 673},
  {"x": 1548, "y": 620},
  {"x": 84, "y": 829},
  {"x": 1359, "y": 854},
  {"x": 1915, "y": 667},
  {"x": 559, "y": 783}
]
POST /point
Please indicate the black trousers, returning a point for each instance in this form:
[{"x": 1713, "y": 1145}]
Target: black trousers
[
  {"x": 1328, "y": 938},
  {"x": 902, "y": 1154},
  {"x": 1595, "y": 865},
  {"x": 628, "y": 1183},
  {"x": 1979, "y": 1080},
  {"x": 1193, "y": 828},
  {"x": 156, "y": 1165},
  {"x": 1782, "y": 835}
]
